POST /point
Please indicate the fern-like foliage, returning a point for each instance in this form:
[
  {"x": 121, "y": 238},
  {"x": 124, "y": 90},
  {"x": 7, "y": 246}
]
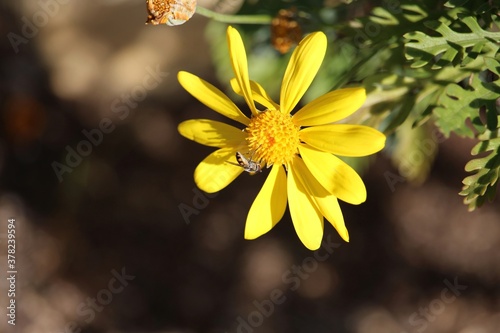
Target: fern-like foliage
[
  {"x": 455, "y": 3},
  {"x": 453, "y": 48},
  {"x": 458, "y": 104},
  {"x": 481, "y": 186},
  {"x": 454, "y": 77}
]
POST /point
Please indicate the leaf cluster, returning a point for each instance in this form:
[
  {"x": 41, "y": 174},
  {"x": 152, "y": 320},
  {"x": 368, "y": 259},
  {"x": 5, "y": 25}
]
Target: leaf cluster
[{"x": 452, "y": 77}]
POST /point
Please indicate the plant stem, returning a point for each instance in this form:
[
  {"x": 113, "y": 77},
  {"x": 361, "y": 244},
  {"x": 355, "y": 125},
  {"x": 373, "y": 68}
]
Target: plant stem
[{"x": 242, "y": 19}]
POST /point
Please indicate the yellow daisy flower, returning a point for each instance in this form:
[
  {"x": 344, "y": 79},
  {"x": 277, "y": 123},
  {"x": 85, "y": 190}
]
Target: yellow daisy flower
[{"x": 299, "y": 147}]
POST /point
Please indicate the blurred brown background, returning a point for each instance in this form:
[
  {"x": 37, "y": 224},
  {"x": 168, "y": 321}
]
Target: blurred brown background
[{"x": 101, "y": 246}]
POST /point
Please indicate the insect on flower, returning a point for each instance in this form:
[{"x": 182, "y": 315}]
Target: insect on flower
[
  {"x": 252, "y": 167},
  {"x": 170, "y": 12},
  {"x": 299, "y": 144}
]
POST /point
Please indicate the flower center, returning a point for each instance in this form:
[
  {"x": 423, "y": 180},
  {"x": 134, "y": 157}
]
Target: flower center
[{"x": 273, "y": 138}]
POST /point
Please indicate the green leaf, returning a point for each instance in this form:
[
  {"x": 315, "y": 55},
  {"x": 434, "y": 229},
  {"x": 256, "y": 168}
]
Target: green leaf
[
  {"x": 481, "y": 186},
  {"x": 455, "y": 3},
  {"x": 399, "y": 113},
  {"x": 453, "y": 47},
  {"x": 457, "y": 104},
  {"x": 493, "y": 65},
  {"x": 425, "y": 103}
]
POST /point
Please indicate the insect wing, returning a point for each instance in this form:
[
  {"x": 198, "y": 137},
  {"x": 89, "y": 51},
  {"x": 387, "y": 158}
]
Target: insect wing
[
  {"x": 242, "y": 161},
  {"x": 248, "y": 165}
]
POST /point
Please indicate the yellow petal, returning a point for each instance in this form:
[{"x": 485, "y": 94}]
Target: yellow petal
[
  {"x": 331, "y": 107},
  {"x": 307, "y": 220},
  {"x": 211, "y": 97},
  {"x": 335, "y": 175},
  {"x": 327, "y": 203},
  {"x": 269, "y": 205},
  {"x": 301, "y": 70},
  {"x": 212, "y": 133},
  {"x": 240, "y": 65},
  {"x": 330, "y": 208},
  {"x": 343, "y": 139},
  {"x": 258, "y": 94},
  {"x": 214, "y": 173}
]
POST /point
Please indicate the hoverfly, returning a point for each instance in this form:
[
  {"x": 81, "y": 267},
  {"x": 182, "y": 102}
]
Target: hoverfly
[{"x": 252, "y": 167}]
